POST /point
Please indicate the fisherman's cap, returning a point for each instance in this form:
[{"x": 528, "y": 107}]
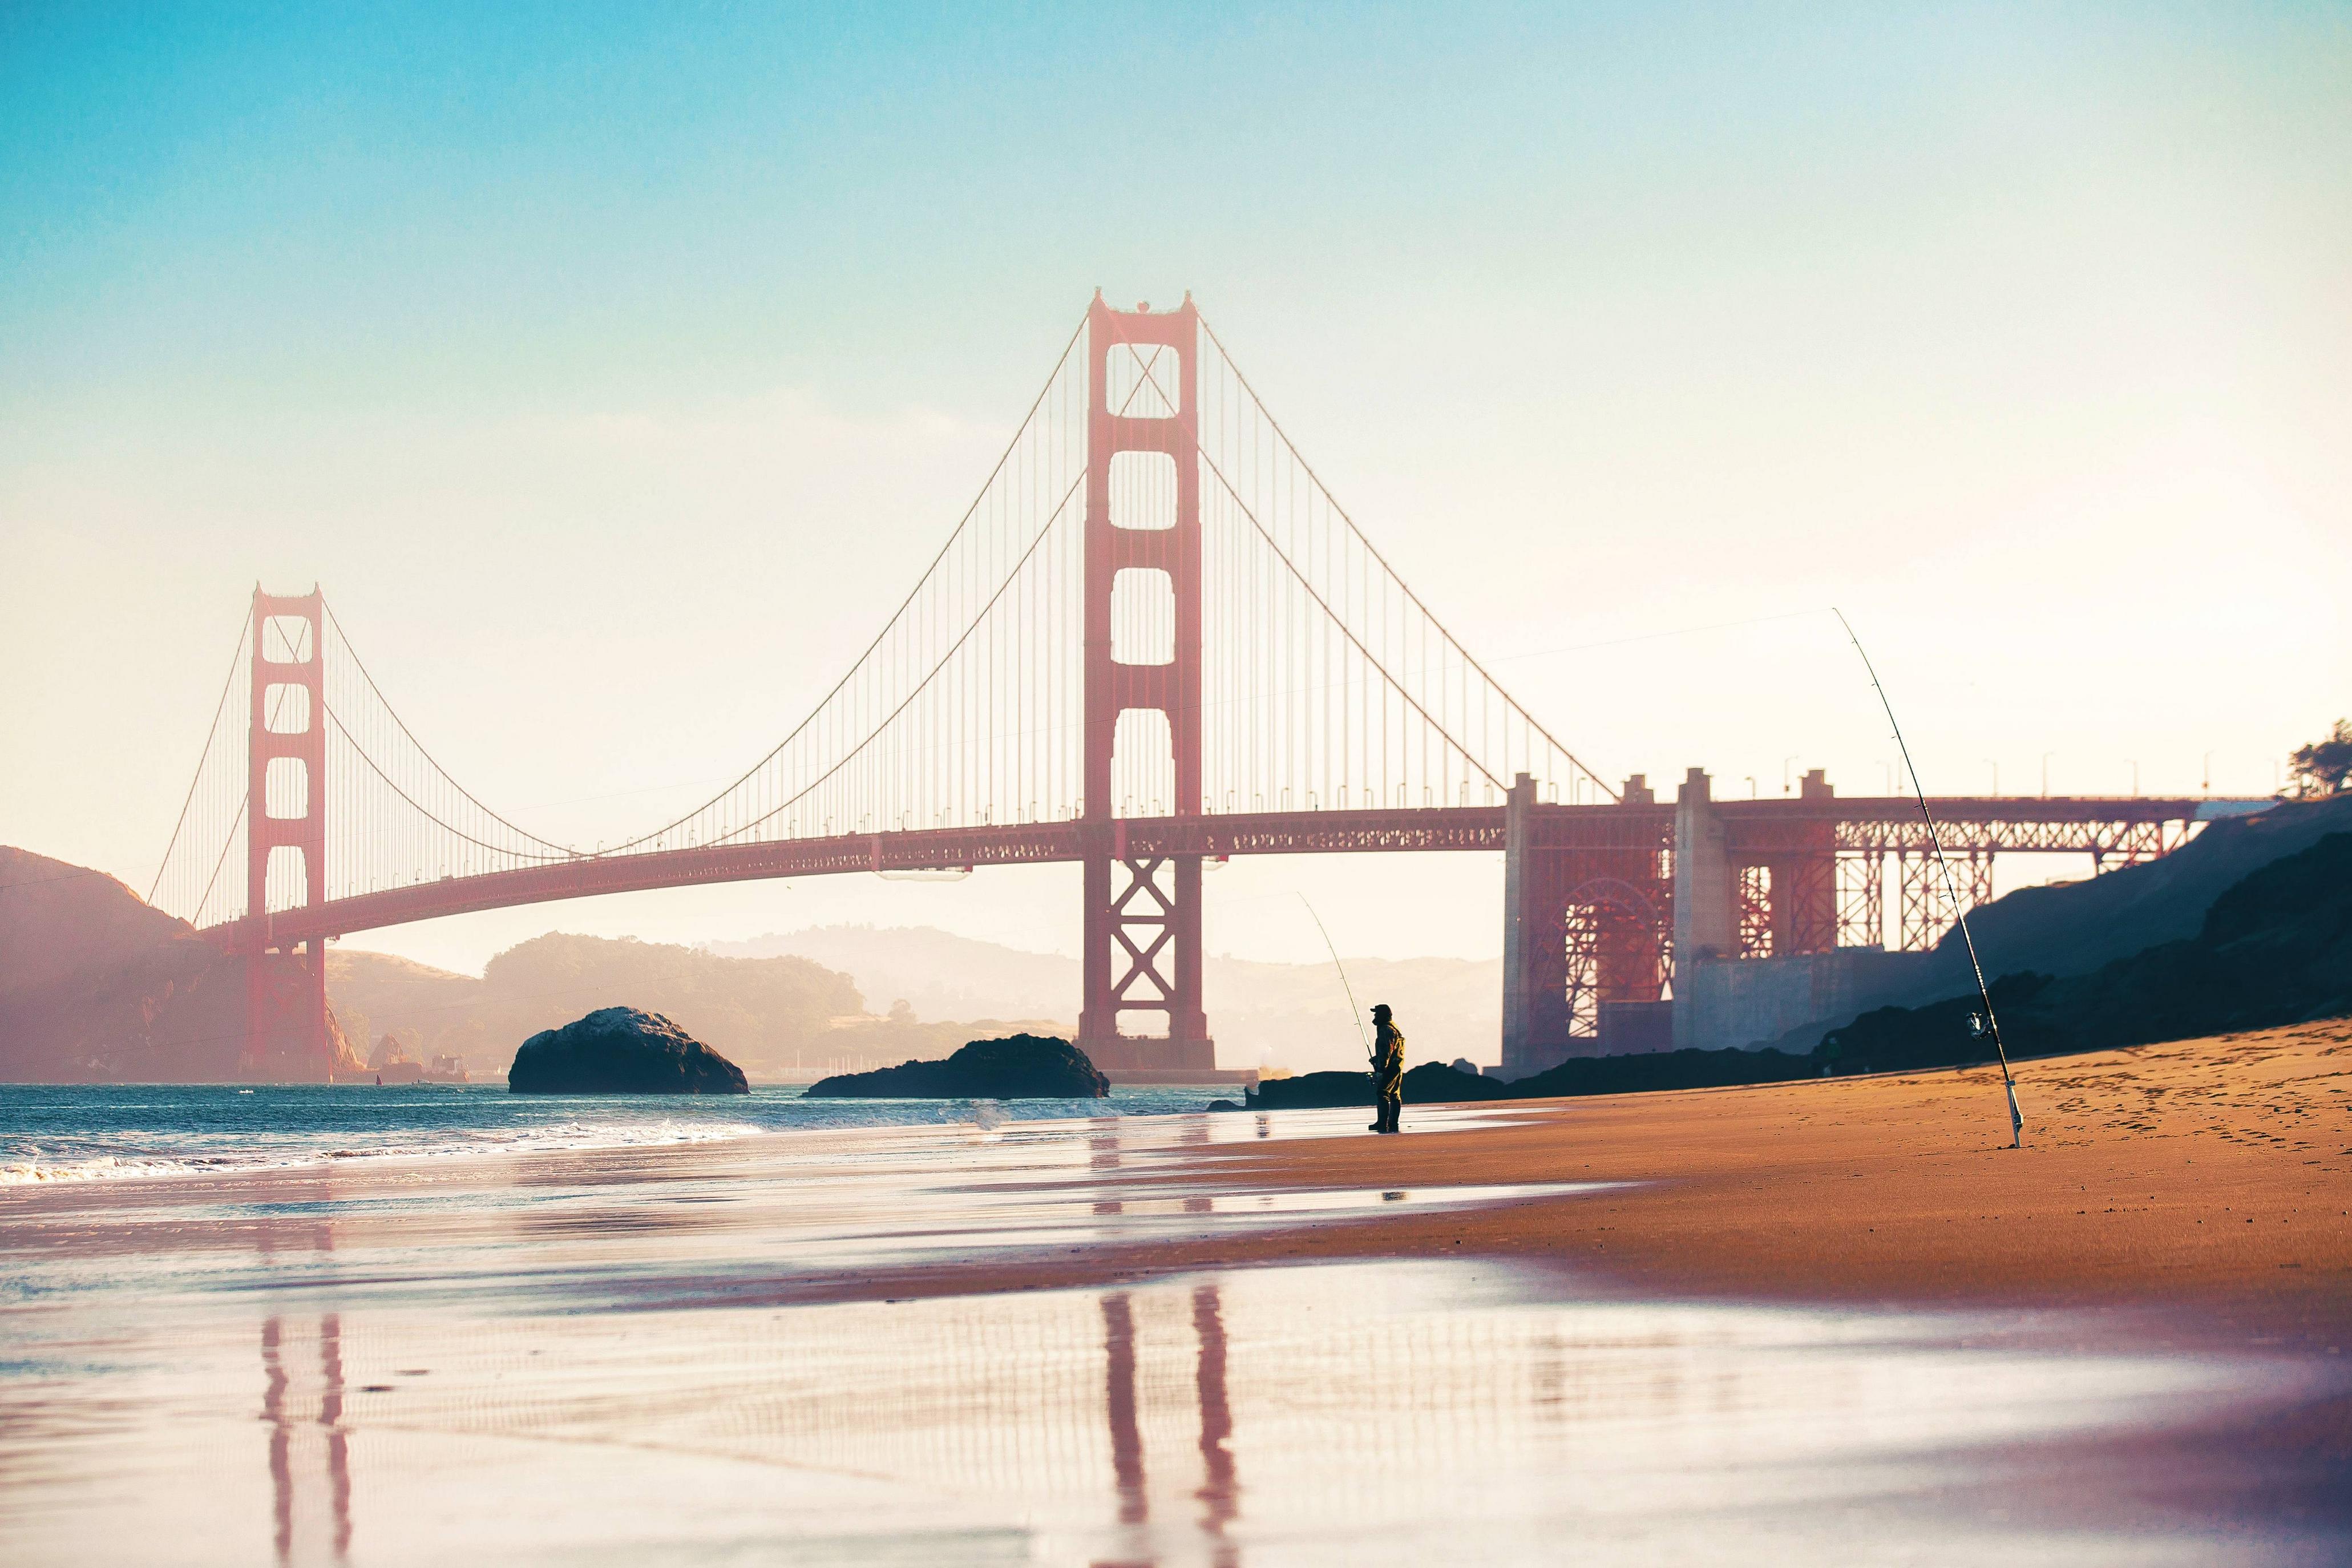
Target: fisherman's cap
[{"x": 1379, "y": 1007}]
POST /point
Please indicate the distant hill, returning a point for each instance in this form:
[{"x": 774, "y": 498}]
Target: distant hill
[
  {"x": 1283, "y": 1015},
  {"x": 937, "y": 973},
  {"x": 96, "y": 986},
  {"x": 780, "y": 1018}
]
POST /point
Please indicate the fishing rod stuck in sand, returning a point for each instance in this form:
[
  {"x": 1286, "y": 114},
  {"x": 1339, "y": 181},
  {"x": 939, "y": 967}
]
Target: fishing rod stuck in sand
[{"x": 1985, "y": 1022}]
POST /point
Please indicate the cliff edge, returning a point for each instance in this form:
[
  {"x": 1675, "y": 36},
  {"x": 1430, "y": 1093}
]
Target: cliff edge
[{"x": 97, "y": 986}]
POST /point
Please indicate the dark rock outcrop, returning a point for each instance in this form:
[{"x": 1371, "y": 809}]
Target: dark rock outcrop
[
  {"x": 1664, "y": 1070},
  {"x": 621, "y": 1050},
  {"x": 1021, "y": 1066},
  {"x": 1311, "y": 1091},
  {"x": 1431, "y": 1083}
]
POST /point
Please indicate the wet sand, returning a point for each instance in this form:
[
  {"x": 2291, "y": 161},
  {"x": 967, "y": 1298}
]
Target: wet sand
[
  {"x": 1824, "y": 1321},
  {"x": 2213, "y": 1178}
]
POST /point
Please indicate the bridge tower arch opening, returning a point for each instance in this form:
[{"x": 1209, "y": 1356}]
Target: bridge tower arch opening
[
  {"x": 286, "y": 1029},
  {"x": 1142, "y": 936}
]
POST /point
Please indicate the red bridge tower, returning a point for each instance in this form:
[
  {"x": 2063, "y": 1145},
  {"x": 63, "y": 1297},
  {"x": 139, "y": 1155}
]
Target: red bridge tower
[
  {"x": 285, "y": 1032},
  {"x": 1143, "y": 940}
]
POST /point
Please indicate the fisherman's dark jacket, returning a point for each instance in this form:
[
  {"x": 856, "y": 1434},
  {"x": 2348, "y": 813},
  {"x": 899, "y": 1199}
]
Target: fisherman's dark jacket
[{"x": 1388, "y": 1055}]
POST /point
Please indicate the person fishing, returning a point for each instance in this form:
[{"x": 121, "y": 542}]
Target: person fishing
[{"x": 1388, "y": 1070}]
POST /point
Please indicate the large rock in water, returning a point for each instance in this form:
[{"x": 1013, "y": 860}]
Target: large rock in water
[
  {"x": 620, "y": 1050},
  {"x": 1020, "y": 1067}
]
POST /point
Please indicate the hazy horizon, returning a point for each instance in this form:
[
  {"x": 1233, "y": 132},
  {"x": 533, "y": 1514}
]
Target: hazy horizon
[{"x": 614, "y": 375}]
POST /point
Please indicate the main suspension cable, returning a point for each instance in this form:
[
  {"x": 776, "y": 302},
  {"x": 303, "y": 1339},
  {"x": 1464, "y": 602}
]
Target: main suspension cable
[
  {"x": 235, "y": 663},
  {"x": 1402, "y": 587},
  {"x": 426, "y": 812},
  {"x": 361, "y": 665},
  {"x": 875, "y": 734},
  {"x": 859, "y": 664},
  {"x": 1345, "y": 629}
]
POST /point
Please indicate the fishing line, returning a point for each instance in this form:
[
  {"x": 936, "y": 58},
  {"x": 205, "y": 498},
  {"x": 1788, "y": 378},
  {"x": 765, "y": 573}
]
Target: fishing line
[
  {"x": 1353, "y": 1011},
  {"x": 1935, "y": 839}
]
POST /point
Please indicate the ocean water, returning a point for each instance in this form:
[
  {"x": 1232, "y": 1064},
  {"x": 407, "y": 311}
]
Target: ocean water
[{"x": 119, "y": 1131}]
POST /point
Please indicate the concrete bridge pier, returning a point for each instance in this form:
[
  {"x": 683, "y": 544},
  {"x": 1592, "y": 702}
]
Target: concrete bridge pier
[
  {"x": 1706, "y": 888},
  {"x": 1583, "y": 965}
]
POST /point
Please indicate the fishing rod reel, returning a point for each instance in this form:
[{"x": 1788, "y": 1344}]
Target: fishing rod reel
[{"x": 1979, "y": 1027}]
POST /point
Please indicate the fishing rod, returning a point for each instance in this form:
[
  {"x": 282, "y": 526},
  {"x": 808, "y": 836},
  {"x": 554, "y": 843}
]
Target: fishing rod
[
  {"x": 1989, "y": 1023},
  {"x": 1353, "y": 1011}
]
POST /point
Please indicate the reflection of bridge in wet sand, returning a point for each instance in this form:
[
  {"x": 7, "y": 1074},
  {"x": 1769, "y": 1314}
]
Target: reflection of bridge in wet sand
[
  {"x": 1188, "y": 1422},
  {"x": 306, "y": 1428},
  {"x": 996, "y": 1409}
]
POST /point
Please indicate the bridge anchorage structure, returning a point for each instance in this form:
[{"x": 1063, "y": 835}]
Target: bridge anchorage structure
[{"x": 1153, "y": 637}]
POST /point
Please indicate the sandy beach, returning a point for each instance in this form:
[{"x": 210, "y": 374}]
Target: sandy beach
[
  {"x": 2215, "y": 1174},
  {"x": 1821, "y": 1320}
]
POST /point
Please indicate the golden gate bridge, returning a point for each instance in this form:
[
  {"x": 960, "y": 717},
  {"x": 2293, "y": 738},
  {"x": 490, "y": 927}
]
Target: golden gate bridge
[{"x": 1154, "y": 638}]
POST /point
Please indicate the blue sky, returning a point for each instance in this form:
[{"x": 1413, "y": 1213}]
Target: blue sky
[
  {"x": 2022, "y": 327},
  {"x": 352, "y": 204}
]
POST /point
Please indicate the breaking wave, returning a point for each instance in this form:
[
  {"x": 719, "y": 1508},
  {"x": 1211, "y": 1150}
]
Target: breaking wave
[
  {"x": 24, "y": 1162},
  {"x": 56, "y": 1136}
]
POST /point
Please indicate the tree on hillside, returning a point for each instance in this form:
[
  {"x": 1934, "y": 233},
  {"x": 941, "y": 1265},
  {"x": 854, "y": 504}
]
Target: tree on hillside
[{"x": 2325, "y": 767}]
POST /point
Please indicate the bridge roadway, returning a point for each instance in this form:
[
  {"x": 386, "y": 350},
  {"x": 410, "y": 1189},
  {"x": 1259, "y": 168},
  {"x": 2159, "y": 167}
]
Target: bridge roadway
[{"x": 2131, "y": 826}]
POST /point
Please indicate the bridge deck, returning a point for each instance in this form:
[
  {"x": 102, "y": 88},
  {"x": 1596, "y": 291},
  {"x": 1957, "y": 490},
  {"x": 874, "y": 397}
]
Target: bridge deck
[{"x": 1986, "y": 822}]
